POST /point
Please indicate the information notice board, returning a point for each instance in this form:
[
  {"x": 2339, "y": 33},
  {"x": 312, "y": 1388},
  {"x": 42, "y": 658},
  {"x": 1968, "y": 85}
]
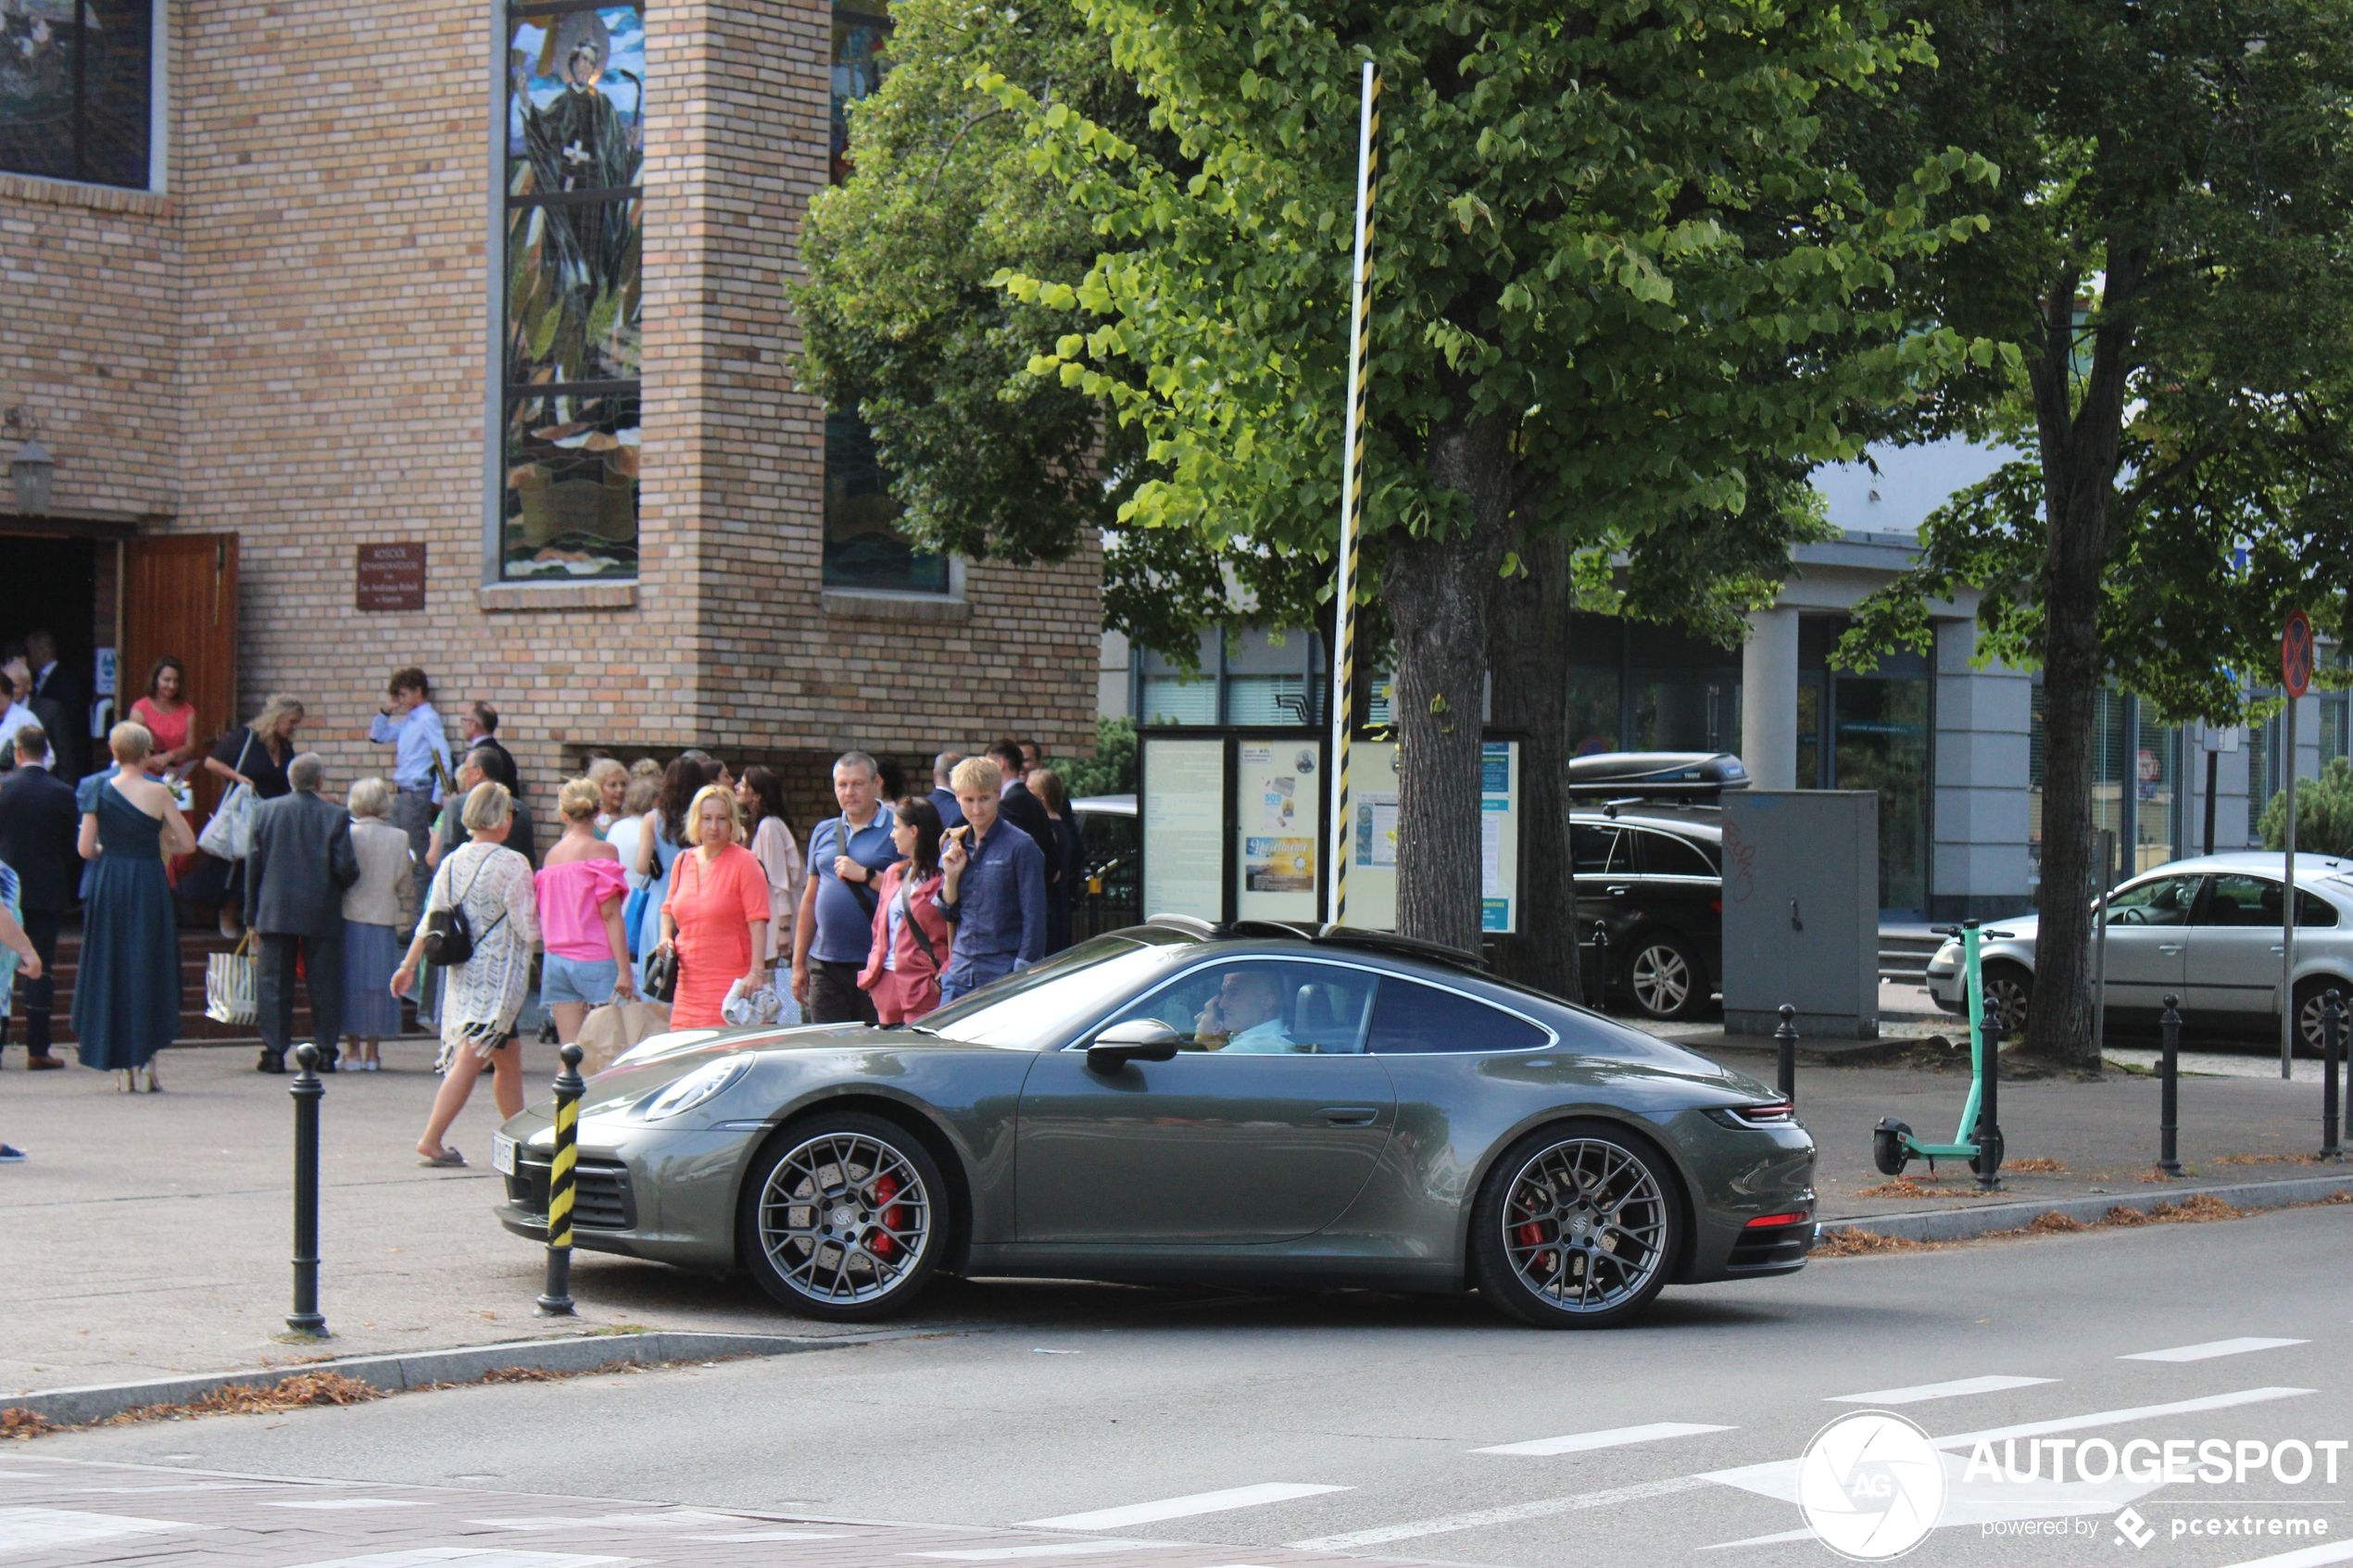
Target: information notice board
[
  {"x": 1184, "y": 823},
  {"x": 1277, "y": 835},
  {"x": 1372, "y": 873}
]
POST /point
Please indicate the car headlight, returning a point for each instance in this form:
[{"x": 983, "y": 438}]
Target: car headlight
[{"x": 696, "y": 1086}]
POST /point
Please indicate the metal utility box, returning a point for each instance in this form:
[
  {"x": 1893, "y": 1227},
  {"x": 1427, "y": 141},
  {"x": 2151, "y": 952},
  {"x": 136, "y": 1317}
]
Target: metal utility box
[{"x": 1801, "y": 911}]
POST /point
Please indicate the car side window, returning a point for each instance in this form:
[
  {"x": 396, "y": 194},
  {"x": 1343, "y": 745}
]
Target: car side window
[
  {"x": 1410, "y": 1018},
  {"x": 2241, "y": 901},
  {"x": 1589, "y": 848},
  {"x": 2164, "y": 901},
  {"x": 1262, "y": 1006},
  {"x": 1665, "y": 855}
]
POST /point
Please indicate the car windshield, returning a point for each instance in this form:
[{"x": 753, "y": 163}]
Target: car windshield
[{"x": 1035, "y": 1007}]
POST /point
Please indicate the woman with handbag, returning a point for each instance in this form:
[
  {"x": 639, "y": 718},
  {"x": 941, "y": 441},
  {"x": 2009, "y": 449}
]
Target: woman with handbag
[
  {"x": 480, "y": 924},
  {"x": 657, "y": 845},
  {"x": 715, "y": 921},
  {"x": 911, "y": 935},
  {"x": 253, "y": 759},
  {"x": 580, "y": 890},
  {"x": 126, "y": 984}
]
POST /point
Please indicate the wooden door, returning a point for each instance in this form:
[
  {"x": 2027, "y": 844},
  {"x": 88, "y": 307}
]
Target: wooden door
[{"x": 180, "y": 598}]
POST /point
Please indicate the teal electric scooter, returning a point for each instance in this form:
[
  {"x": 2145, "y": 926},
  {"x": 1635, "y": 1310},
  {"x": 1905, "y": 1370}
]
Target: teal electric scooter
[{"x": 1979, "y": 1139}]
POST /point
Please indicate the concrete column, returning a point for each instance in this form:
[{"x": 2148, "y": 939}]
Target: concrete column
[
  {"x": 1984, "y": 725},
  {"x": 1768, "y": 698}
]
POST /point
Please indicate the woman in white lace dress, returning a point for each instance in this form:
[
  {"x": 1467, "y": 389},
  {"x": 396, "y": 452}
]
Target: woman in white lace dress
[{"x": 481, "y": 997}]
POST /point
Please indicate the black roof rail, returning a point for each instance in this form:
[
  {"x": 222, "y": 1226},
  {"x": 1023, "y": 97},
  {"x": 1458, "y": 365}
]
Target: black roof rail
[
  {"x": 1190, "y": 925},
  {"x": 1358, "y": 937}
]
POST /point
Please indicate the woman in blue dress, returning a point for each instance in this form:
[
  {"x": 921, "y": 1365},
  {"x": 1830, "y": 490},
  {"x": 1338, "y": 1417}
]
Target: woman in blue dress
[
  {"x": 126, "y": 987},
  {"x": 657, "y": 845}
]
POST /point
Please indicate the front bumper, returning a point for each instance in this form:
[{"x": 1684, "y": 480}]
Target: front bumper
[{"x": 666, "y": 1196}]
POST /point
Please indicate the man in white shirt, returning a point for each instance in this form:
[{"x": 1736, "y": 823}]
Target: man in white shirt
[
  {"x": 16, "y": 685},
  {"x": 1245, "y": 1017}
]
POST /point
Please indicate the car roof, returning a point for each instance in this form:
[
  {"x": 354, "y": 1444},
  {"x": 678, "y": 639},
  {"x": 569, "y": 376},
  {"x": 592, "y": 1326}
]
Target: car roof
[
  {"x": 1108, "y": 805},
  {"x": 1695, "y": 822},
  {"x": 2269, "y": 861}
]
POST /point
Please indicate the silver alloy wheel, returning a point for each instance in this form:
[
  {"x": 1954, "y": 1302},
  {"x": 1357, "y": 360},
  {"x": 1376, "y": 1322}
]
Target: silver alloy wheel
[
  {"x": 1584, "y": 1226},
  {"x": 845, "y": 1218},
  {"x": 2307, "y": 1024},
  {"x": 1662, "y": 979},
  {"x": 2006, "y": 999}
]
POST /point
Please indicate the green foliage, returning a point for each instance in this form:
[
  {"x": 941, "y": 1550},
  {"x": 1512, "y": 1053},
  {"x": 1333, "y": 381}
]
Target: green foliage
[
  {"x": 2324, "y": 813},
  {"x": 1112, "y": 771}
]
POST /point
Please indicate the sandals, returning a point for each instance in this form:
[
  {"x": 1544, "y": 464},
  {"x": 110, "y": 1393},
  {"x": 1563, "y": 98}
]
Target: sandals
[{"x": 448, "y": 1160}]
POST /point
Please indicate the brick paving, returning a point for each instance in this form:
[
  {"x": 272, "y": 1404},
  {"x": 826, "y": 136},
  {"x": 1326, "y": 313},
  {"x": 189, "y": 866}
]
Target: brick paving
[{"x": 69, "y": 1514}]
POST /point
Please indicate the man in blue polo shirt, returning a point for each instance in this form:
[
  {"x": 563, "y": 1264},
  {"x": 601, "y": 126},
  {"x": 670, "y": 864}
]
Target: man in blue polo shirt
[
  {"x": 992, "y": 888},
  {"x": 407, "y": 722},
  {"x": 836, "y": 931}
]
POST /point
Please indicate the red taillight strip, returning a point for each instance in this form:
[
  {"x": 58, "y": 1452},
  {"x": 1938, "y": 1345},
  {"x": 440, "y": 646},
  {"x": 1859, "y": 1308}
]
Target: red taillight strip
[{"x": 1775, "y": 1219}]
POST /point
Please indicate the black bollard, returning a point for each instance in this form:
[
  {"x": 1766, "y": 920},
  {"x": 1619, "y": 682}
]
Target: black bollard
[
  {"x": 1785, "y": 1053},
  {"x": 2332, "y": 1050},
  {"x": 2169, "y": 1114},
  {"x": 556, "y": 1301},
  {"x": 306, "y": 1090}
]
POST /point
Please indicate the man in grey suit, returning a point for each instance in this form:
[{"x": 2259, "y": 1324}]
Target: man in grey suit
[{"x": 302, "y": 861}]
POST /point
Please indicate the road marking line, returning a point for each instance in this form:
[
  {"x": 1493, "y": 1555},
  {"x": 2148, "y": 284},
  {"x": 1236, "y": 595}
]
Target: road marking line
[
  {"x": 2115, "y": 1418},
  {"x": 29, "y": 1529},
  {"x": 470, "y": 1557},
  {"x": 1615, "y": 1436},
  {"x": 2307, "y": 1557},
  {"x": 2212, "y": 1348},
  {"x": 1923, "y": 1391},
  {"x": 1179, "y": 1507},
  {"x": 770, "y": 1535},
  {"x": 1447, "y": 1524},
  {"x": 352, "y": 1502},
  {"x": 1056, "y": 1549}
]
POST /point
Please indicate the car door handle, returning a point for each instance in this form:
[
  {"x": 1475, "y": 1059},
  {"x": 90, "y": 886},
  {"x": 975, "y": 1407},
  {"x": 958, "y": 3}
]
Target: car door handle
[
  {"x": 1618, "y": 892},
  {"x": 1348, "y": 1115},
  {"x": 2176, "y": 947},
  {"x": 2279, "y": 948}
]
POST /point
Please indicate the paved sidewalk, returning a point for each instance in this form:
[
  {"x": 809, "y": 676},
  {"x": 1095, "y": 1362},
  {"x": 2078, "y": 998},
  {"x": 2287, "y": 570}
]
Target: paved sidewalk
[
  {"x": 149, "y": 1236},
  {"x": 59, "y": 1512}
]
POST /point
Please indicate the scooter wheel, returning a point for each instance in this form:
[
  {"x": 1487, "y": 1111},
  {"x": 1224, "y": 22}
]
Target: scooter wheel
[{"x": 1887, "y": 1146}]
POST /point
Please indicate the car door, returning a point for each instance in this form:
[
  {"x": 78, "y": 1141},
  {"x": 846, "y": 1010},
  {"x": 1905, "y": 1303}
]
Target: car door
[
  {"x": 2148, "y": 941},
  {"x": 1602, "y": 856},
  {"x": 1264, "y": 1128},
  {"x": 2233, "y": 965},
  {"x": 1681, "y": 888}
]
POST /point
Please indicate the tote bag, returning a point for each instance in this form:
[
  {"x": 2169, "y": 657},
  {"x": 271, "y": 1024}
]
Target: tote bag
[
  {"x": 228, "y": 835},
  {"x": 228, "y": 985},
  {"x": 614, "y": 1028}
]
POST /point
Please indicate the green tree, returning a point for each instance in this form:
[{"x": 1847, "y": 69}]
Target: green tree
[
  {"x": 2169, "y": 250},
  {"x": 1112, "y": 771},
  {"x": 1613, "y": 280},
  {"x": 2324, "y": 813}
]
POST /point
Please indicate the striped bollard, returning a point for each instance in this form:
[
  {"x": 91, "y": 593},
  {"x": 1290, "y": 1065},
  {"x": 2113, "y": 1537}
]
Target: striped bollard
[{"x": 556, "y": 1301}]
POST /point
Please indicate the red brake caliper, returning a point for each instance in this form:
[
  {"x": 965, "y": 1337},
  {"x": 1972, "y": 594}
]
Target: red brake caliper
[
  {"x": 880, "y": 1242},
  {"x": 1530, "y": 1233}
]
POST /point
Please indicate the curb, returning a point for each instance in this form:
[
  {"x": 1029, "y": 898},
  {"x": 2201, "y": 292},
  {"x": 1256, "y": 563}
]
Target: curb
[
  {"x": 415, "y": 1368},
  {"x": 1961, "y": 1224}
]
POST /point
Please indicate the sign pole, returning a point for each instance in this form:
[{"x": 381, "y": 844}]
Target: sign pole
[
  {"x": 2295, "y": 676},
  {"x": 1351, "y": 498}
]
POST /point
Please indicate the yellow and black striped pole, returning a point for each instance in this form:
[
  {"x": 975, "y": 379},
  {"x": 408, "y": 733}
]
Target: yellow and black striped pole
[
  {"x": 1351, "y": 496},
  {"x": 556, "y": 1301}
]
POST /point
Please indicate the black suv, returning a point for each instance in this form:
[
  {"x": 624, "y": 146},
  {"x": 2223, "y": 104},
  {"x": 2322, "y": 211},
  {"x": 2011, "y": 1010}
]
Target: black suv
[{"x": 1650, "y": 875}]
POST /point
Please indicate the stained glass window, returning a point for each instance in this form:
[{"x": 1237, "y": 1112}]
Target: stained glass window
[
  {"x": 570, "y": 359},
  {"x": 863, "y": 546},
  {"x": 75, "y": 89}
]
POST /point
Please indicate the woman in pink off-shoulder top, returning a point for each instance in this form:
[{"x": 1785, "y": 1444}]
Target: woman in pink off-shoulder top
[{"x": 580, "y": 887}]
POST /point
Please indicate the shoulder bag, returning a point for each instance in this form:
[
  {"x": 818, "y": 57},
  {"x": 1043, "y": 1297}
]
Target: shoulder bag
[
  {"x": 228, "y": 835},
  {"x": 450, "y": 936},
  {"x": 661, "y": 970},
  {"x": 914, "y": 926},
  {"x": 868, "y": 899}
]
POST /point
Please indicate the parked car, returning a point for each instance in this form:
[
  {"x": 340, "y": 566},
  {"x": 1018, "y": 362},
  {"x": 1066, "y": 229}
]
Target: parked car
[
  {"x": 1269, "y": 1105},
  {"x": 2205, "y": 929},
  {"x": 1651, "y": 876}
]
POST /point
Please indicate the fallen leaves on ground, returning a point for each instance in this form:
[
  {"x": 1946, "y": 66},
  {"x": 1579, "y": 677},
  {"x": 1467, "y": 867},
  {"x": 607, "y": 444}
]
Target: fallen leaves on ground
[
  {"x": 2194, "y": 1209},
  {"x": 18, "y": 1423}
]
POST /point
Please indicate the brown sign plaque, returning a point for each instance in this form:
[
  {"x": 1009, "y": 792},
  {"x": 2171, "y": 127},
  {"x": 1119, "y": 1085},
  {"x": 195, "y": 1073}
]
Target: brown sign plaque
[{"x": 391, "y": 577}]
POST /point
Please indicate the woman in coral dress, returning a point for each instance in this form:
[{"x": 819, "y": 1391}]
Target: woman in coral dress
[{"x": 716, "y": 915}]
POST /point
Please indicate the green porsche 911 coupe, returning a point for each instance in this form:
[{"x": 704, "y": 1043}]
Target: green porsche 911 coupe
[{"x": 1254, "y": 1105}]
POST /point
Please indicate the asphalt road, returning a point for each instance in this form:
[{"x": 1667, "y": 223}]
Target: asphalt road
[{"x": 1283, "y": 1430}]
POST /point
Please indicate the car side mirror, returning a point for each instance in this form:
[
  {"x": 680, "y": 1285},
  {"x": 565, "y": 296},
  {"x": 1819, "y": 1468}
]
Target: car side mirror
[{"x": 1138, "y": 1039}]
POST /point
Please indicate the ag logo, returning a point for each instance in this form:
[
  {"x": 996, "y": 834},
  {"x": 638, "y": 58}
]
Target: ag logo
[
  {"x": 2132, "y": 1530},
  {"x": 1871, "y": 1484}
]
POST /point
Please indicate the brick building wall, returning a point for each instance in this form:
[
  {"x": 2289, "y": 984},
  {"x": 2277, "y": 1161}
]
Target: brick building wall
[{"x": 292, "y": 346}]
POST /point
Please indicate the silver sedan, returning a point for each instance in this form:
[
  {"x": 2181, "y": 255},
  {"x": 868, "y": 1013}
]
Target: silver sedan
[{"x": 2205, "y": 929}]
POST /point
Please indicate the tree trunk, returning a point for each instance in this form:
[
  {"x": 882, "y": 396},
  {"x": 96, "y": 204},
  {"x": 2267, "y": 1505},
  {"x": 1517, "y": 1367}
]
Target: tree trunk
[
  {"x": 1528, "y": 654},
  {"x": 1437, "y": 590}
]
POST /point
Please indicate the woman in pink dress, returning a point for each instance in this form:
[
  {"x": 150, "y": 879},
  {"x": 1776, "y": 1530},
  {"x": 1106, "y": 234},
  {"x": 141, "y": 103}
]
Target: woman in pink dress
[
  {"x": 580, "y": 890},
  {"x": 168, "y": 716},
  {"x": 715, "y": 918},
  {"x": 912, "y": 937}
]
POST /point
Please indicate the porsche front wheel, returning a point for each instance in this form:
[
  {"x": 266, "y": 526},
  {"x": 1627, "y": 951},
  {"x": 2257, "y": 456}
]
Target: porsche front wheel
[{"x": 844, "y": 1218}]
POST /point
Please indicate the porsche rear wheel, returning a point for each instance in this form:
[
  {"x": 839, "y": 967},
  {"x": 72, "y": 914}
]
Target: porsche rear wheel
[
  {"x": 1577, "y": 1226},
  {"x": 843, "y": 1218}
]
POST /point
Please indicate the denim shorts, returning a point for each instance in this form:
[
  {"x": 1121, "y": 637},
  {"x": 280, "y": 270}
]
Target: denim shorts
[{"x": 577, "y": 980}]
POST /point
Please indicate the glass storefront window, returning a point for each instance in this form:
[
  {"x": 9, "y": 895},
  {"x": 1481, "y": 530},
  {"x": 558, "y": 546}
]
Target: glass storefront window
[
  {"x": 570, "y": 359},
  {"x": 1881, "y": 744},
  {"x": 75, "y": 90},
  {"x": 1592, "y": 711},
  {"x": 2136, "y": 769}
]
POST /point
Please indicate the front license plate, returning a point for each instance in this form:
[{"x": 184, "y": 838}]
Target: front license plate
[{"x": 502, "y": 1154}]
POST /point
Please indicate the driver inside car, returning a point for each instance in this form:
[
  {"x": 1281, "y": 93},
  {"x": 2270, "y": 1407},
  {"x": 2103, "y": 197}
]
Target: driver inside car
[{"x": 1245, "y": 1016}]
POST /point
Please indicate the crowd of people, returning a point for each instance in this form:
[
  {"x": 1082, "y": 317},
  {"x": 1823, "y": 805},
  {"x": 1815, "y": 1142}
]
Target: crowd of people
[{"x": 682, "y": 882}]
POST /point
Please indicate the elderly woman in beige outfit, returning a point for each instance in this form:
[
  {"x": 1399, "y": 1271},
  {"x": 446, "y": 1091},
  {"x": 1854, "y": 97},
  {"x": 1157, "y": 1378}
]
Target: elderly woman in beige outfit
[{"x": 378, "y": 910}]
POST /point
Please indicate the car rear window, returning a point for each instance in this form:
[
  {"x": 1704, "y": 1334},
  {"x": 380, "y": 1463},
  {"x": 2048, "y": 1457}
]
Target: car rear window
[
  {"x": 1665, "y": 855},
  {"x": 1409, "y": 1018}
]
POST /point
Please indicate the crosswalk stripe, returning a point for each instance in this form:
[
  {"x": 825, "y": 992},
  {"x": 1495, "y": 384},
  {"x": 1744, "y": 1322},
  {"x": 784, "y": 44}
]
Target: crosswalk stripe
[
  {"x": 1181, "y": 1508},
  {"x": 1051, "y": 1548},
  {"x": 2210, "y": 1349},
  {"x": 2116, "y": 1418},
  {"x": 2305, "y": 1557},
  {"x": 1953, "y": 1390},
  {"x": 1615, "y": 1436},
  {"x": 1511, "y": 1513}
]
